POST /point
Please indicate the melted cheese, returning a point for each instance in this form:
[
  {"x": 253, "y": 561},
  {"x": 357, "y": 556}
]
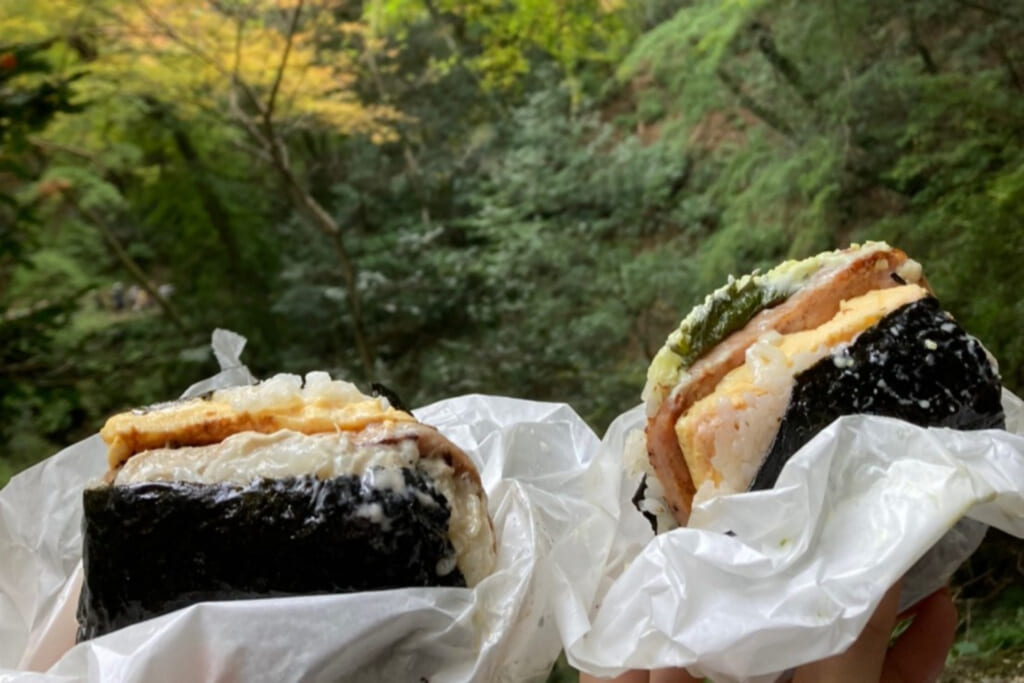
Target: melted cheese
[{"x": 281, "y": 402}]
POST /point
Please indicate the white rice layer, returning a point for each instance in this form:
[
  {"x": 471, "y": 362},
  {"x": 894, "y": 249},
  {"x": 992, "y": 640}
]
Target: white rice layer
[{"x": 285, "y": 390}]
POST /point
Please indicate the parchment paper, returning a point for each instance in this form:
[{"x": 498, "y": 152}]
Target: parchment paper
[
  {"x": 852, "y": 513},
  {"x": 533, "y": 458}
]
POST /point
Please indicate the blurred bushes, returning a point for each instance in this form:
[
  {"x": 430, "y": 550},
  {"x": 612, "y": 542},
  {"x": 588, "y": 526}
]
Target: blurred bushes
[{"x": 537, "y": 239}]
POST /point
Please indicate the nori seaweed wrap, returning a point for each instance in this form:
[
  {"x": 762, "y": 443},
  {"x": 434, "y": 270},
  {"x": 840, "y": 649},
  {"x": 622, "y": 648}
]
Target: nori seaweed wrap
[
  {"x": 275, "y": 490},
  {"x": 769, "y": 360}
]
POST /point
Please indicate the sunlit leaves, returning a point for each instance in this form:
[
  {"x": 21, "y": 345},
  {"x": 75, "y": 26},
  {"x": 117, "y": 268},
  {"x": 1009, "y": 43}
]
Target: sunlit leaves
[
  {"x": 208, "y": 57},
  {"x": 497, "y": 40},
  {"x": 201, "y": 54}
]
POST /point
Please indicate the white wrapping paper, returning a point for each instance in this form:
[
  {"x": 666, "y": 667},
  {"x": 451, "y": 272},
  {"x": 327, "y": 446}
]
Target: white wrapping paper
[
  {"x": 533, "y": 459},
  {"x": 851, "y": 513}
]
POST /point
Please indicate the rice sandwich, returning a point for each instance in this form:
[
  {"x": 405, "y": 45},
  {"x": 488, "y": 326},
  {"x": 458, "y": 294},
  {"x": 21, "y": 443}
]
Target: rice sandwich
[
  {"x": 770, "y": 359},
  {"x": 279, "y": 489}
]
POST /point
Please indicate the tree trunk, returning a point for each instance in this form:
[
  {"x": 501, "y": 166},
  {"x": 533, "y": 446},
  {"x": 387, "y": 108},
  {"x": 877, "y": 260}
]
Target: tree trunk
[{"x": 323, "y": 222}]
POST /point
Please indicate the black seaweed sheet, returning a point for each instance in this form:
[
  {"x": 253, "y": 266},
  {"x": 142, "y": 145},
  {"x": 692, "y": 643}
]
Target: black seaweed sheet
[
  {"x": 152, "y": 548},
  {"x": 916, "y": 364}
]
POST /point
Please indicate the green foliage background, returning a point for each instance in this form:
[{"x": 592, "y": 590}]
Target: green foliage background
[{"x": 562, "y": 187}]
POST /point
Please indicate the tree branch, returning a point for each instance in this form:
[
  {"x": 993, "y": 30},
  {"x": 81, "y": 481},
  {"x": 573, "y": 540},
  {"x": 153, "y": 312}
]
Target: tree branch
[
  {"x": 268, "y": 138},
  {"x": 1011, "y": 71},
  {"x": 782, "y": 64},
  {"x": 326, "y": 224},
  {"x": 915, "y": 39},
  {"x": 127, "y": 262},
  {"x": 412, "y": 169},
  {"x": 847, "y": 91},
  {"x": 453, "y": 28},
  {"x": 238, "y": 52},
  {"x": 170, "y": 32},
  {"x": 49, "y": 145},
  {"x": 988, "y": 10},
  {"x": 760, "y": 111},
  {"x": 284, "y": 62}
]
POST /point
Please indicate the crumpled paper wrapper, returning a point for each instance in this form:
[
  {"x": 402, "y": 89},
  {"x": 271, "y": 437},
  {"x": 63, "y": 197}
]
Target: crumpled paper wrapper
[
  {"x": 854, "y": 510},
  {"x": 533, "y": 459}
]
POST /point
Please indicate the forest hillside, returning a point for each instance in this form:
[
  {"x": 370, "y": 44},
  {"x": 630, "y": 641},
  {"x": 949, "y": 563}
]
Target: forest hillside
[{"x": 474, "y": 196}]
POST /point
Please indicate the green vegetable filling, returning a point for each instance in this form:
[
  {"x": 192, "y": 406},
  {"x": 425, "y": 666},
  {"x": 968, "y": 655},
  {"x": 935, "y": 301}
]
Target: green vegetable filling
[{"x": 728, "y": 310}]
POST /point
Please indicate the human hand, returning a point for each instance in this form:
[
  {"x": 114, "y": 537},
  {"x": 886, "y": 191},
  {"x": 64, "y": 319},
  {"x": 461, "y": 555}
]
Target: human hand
[{"x": 917, "y": 656}]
